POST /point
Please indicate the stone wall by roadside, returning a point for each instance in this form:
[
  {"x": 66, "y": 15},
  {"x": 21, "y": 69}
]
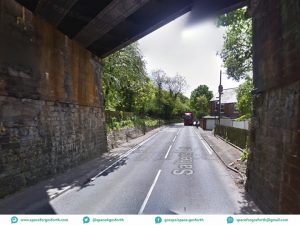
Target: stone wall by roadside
[
  {"x": 274, "y": 163},
  {"x": 51, "y": 107},
  {"x": 116, "y": 138}
]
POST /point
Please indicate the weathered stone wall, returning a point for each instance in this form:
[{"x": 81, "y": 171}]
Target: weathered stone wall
[
  {"x": 117, "y": 137},
  {"x": 274, "y": 165},
  {"x": 51, "y": 113}
]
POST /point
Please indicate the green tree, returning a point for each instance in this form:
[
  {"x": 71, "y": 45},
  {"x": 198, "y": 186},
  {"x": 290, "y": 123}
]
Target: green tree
[
  {"x": 159, "y": 79},
  {"x": 244, "y": 98},
  {"x": 176, "y": 85},
  {"x": 237, "y": 49},
  {"x": 201, "y": 106},
  {"x": 199, "y": 100},
  {"x": 201, "y": 90},
  {"x": 126, "y": 85},
  {"x": 182, "y": 104},
  {"x": 170, "y": 102}
]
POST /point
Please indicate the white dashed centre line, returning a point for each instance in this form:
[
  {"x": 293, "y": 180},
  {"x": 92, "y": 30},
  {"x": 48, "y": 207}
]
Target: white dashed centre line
[
  {"x": 166, "y": 156},
  {"x": 149, "y": 193},
  {"x": 174, "y": 139}
]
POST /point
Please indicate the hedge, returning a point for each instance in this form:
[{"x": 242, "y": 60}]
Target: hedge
[{"x": 236, "y": 136}]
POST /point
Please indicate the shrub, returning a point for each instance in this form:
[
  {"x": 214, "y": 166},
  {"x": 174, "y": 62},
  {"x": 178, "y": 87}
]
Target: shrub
[
  {"x": 245, "y": 155},
  {"x": 236, "y": 136}
]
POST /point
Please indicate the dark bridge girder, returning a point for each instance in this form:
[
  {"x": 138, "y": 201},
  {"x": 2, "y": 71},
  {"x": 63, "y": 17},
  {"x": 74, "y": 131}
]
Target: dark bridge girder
[{"x": 104, "y": 26}]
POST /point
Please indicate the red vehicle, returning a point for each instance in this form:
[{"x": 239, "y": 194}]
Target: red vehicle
[{"x": 188, "y": 119}]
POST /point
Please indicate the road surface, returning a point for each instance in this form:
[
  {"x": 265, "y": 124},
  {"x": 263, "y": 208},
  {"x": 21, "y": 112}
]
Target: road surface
[{"x": 173, "y": 172}]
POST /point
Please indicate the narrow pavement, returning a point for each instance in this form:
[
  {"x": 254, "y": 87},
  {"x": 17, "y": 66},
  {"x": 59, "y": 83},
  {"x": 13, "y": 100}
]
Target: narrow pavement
[{"x": 174, "y": 172}]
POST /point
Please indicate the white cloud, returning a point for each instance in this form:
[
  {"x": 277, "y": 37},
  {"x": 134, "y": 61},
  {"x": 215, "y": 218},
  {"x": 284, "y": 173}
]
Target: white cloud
[{"x": 190, "y": 52}]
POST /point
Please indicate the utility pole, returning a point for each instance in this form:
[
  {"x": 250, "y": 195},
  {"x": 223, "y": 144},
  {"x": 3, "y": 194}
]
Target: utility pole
[{"x": 220, "y": 94}]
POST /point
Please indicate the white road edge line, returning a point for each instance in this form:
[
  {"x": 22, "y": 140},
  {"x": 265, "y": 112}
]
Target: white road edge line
[
  {"x": 149, "y": 193},
  {"x": 205, "y": 145},
  {"x": 124, "y": 155},
  {"x": 121, "y": 157},
  {"x": 166, "y": 156}
]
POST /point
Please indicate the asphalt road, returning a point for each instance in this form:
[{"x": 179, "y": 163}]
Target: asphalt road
[{"x": 174, "y": 172}]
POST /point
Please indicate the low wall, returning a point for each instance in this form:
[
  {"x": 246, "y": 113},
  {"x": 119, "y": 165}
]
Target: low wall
[
  {"x": 241, "y": 124},
  {"x": 117, "y": 137},
  {"x": 233, "y": 123}
]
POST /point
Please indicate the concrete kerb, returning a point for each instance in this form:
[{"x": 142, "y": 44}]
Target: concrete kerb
[
  {"x": 222, "y": 161},
  {"x": 228, "y": 142},
  {"x": 89, "y": 176}
]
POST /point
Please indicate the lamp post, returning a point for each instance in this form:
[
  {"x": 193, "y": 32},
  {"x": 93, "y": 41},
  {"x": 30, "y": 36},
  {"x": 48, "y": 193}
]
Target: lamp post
[{"x": 220, "y": 95}]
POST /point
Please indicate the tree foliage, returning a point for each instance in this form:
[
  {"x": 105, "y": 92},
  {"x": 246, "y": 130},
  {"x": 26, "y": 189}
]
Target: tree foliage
[
  {"x": 199, "y": 100},
  {"x": 170, "y": 101},
  {"x": 244, "y": 98},
  {"x": 127, "y": 87},
  {"x": 201, "y": 106},
  {"x": 201, "y": 90},
  {"x": 237, "y": 49},
  {"x": 176, "y": 85}
]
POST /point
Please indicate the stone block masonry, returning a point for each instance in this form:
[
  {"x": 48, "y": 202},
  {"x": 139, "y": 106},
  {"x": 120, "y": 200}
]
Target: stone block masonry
[
  {"x": 51, "y": 106},
  {"x": 42, "y": 138},
  {"x": 274, "y": 163}
]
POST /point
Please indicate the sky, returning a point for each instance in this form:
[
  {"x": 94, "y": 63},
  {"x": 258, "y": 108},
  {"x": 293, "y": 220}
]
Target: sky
[{"x": 188, "y": 51}]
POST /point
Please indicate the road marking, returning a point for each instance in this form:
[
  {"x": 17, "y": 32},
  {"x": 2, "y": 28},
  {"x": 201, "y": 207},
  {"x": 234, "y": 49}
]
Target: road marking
[
  {"x": 149, "y": 193},
  {"x": 124, "y": 155},
  {"x": 166, "y": 156},
  {"x": 207, "y": 148},
  {"x": 121, "y": 157},
  {"x": 174, "y": 139}
]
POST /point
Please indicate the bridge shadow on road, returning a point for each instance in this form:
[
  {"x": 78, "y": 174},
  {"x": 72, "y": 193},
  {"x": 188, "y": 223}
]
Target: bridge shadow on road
[
  {"x": 247, "y": 205},
  {"x": 36, "y": 199},
  {"x": 118, "y": 163}
]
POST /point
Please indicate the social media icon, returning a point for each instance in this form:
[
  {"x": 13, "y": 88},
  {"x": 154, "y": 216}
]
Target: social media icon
[
  {"x": 230, "y": 219},
  {"x": 158, "y": 219},
  {"x": 86, "y": 219},
  {"x": 14, "y": 219}
]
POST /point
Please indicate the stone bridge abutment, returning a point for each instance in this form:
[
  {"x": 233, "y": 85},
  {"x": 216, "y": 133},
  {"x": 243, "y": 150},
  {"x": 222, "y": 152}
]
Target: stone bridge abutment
[
  {"x": 51, "y": 112},
  {"x": 274, "y": 165}
]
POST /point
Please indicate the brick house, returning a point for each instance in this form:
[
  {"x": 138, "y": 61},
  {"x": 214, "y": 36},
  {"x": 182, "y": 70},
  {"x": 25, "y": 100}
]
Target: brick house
[{"x": 228, "y": 104}]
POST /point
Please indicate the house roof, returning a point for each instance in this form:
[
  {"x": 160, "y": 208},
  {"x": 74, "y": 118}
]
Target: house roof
[{"x": 228, "y": 96}]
